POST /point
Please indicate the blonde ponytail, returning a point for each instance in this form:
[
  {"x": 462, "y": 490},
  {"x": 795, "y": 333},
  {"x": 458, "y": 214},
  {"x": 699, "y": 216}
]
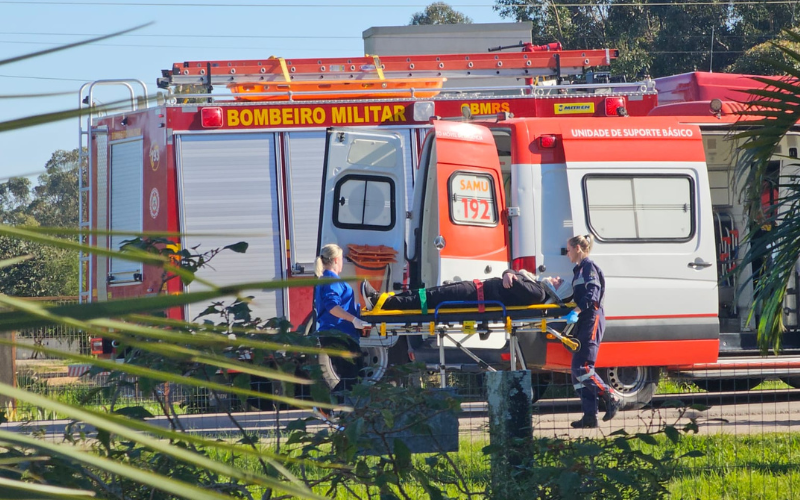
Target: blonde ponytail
[
  {"x": 327, "y": 255},
  {"x": 584, "y": 242}
]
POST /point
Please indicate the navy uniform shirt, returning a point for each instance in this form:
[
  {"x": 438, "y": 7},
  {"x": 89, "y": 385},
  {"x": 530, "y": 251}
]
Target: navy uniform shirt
[
  {"x": 330, "y": 295},
  {"x": 588, "y": 285}
]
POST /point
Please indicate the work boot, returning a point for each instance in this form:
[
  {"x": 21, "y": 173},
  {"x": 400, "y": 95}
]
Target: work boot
[
  {"x": 612, "y": 406},
  {"x": 370, "y": 295},
  {"x": 587, "y": 422}
]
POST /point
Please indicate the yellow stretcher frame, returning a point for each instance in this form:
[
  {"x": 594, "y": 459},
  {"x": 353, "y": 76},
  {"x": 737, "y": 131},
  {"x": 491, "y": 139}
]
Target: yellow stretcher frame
[{"x": 511, "y": 320}]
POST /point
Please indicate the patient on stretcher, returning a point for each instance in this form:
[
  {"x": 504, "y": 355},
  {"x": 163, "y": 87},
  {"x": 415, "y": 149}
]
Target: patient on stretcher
[{"x": 515, "y": 288}]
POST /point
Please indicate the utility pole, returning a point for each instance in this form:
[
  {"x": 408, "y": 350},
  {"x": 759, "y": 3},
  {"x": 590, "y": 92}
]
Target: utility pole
[{"x": 711, "y": 59}]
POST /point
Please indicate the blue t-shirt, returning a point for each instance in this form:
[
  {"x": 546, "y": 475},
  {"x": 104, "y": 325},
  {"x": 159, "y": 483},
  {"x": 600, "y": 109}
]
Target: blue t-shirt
[{"x": 330, "y": 295}]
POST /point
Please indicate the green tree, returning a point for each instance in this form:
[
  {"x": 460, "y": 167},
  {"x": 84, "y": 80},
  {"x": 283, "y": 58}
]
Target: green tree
[
  {"x": 53, "y": 202},
  {"x": 756, "y": 61},
  {"x": 55, "y": 197},
  {"x": 658, "y": 40},
  {"x": 439, "y": 13}
]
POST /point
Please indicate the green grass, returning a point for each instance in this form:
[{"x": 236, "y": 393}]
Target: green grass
[
  {"x": 763, "y": 467},
  {"x": 755, "y": 467}
]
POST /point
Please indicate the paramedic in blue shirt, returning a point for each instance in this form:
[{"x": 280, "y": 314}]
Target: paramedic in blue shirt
[
  {"x": 338, "y": 311},
  {"x": 588, "y": 284}
]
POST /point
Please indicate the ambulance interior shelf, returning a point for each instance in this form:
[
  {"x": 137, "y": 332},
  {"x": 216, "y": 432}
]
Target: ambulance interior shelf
[{"x": 374, "y": 262}]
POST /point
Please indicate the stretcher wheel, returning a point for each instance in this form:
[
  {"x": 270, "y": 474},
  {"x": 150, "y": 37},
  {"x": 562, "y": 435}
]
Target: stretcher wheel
[{"x": 571, "y": 343}]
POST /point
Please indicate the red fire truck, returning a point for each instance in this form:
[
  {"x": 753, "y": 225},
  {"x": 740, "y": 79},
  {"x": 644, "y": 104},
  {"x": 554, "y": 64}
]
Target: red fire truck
[{"x": 249, "y": 166}]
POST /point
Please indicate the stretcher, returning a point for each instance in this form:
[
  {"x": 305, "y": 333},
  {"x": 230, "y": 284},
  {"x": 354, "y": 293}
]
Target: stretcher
[{"x": 471, "y": 317}]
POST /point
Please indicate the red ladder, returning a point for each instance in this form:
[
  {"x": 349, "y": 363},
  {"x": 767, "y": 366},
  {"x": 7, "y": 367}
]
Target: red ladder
[{"x": 506, "y": 64}]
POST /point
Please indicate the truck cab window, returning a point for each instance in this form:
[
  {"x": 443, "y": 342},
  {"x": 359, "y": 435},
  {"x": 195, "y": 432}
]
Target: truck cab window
[{"x": 623, "y": 207}]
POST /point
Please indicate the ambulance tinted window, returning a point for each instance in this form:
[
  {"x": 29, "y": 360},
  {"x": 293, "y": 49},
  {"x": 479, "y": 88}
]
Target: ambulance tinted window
[
  {"x": 640, "y": 207},
  {"x": 364, "y": 202},
  {"x": 472, "y": 199}
]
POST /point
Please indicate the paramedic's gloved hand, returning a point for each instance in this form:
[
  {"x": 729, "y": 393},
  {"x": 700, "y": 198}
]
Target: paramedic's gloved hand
[
  {"x": 360, "y": 325},
  {"x": 571, "y": 318}
]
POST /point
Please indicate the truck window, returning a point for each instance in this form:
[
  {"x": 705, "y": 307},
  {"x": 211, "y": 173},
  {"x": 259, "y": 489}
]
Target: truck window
[
  {"x": 623, "y": 207},
  {"x": 472, "y": 199},
  {"x": 364, "y": 202}
]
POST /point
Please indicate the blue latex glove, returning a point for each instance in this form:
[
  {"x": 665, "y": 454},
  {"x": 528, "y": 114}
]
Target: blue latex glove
[{"x": 571, "y": 318}]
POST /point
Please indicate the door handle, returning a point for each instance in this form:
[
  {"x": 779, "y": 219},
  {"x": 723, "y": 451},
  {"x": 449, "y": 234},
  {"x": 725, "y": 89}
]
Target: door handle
[{"x": 699, "y": 264}]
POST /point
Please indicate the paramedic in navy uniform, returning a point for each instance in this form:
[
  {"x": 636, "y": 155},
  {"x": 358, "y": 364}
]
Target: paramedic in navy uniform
[
  {"x": 588, "y": 284},
  {"x": 338, "y": 311}
]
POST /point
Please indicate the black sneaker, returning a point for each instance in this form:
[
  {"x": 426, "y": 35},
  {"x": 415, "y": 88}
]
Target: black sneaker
[
  {"x": 612, "y": 407},
  {"x": 369, "y": 294},
  {"x": 587, "y": 422}
]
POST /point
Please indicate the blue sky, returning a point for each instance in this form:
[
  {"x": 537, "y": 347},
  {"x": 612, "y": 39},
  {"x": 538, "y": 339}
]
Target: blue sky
[{"x": 182, "y": 30}]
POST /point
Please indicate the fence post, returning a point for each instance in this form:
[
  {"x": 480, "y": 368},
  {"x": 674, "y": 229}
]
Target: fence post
[
  {"x": 510, "y": 429},
  {"x": 8, "y": 369}
]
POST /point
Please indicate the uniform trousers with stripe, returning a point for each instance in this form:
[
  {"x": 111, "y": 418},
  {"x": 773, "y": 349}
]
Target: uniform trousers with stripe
[{"x": 588, "y": 384}]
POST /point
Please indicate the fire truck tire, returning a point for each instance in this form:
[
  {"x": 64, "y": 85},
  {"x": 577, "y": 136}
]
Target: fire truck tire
[
  {"x": 376, "y": 361},
  {"x": 634, "y": 385},
  {"x": 728, "y": 384}
]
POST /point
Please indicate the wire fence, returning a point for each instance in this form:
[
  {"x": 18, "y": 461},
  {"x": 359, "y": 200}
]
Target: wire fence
[
  {"x": 738, "y": 444},
  {"x": 739, "y": 435}
]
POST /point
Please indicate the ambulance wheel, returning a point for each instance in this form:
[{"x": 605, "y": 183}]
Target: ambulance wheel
[
  {"x": 634, "y": 385},
  {"x": 375, "y": 359}
]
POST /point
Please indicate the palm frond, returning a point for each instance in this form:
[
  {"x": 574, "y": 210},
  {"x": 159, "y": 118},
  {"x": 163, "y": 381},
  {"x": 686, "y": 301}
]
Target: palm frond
[{"x": 773, "y": 237}]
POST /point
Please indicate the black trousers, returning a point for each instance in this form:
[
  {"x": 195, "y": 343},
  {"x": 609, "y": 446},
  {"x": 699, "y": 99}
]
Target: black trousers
[
  {"x": 348, "y": 370},
  {"x": 521, "y": 293},
  {"x": 461, "y": 290}
]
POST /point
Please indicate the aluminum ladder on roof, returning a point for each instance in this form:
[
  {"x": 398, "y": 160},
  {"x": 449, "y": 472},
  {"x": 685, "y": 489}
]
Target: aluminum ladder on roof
[{"x": 506, "y": 64}]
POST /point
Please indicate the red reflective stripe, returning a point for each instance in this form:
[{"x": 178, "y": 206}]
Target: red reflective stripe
[
  {"x": 599, "y": 383},
  {"x": 479, "y": 290},
  {"x": 594, "y": 327}
]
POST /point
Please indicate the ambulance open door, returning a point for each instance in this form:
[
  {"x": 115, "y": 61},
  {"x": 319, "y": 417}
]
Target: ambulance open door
[
  {"x": 461, "y": 215},
  {"x": 363, "y": 207}
]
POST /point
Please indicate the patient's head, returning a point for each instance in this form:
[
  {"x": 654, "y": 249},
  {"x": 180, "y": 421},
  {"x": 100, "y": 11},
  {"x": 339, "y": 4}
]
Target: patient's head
[{"x": 562, "y": 289}]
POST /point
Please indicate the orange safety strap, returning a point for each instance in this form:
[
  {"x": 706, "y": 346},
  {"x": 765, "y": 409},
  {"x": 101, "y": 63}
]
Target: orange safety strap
[{"x": 479, "y": 289}]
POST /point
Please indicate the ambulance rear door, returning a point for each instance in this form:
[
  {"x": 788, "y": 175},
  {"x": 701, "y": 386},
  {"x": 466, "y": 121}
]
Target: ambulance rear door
[
  {"x": 462, "y": 220},
  {"x": 363, "y": 207}
]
